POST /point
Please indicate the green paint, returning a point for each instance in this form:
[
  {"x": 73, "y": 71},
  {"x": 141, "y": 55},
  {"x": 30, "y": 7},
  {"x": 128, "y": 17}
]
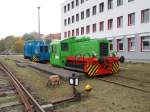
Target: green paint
[{"x": 75, "y": 46}]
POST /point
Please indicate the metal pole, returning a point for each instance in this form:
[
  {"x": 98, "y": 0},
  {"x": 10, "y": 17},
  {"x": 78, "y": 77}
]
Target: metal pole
[
  {"x": 39, "y": 20},
  {"x": 74, "y": 90},
  {"x": 73, "y": 86}
]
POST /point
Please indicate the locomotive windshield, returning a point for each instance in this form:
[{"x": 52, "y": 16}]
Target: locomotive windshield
[
  {"x": 43, "y": 48},
  {"x": 103, "y": 49}
]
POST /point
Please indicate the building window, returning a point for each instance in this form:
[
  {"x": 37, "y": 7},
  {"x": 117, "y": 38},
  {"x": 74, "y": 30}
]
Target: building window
[
  {"x": 94, "y": 28},
  {"x": 110, "y": 24},
  {"x": 68, "y": 33},
  {"x": 65, "y": 34},
  {"x": 131, "y": 19},
  {"x": 82, "y": 30},
  {"x": 131, "y": 44},
  {"x": 130, "y": 0},
  {"x": 119, "y": 2},
  {"x": 77, "y": 2},
  {"x": 110, "y": 4},
  {"x": 101, "y": 26},
  {"x": 101, "y": 7},
  {"x": 145, "y": 43},
  {"x": 87, "y": 13},
  {"x": 110, "y": 45},
  {"x": 68, "y": 7},
  {"x": 119, "y": 44},
  {"x": 77, "y": 32},
  {"x": 94, "y": 10},
  {"x": 77, "y": 17},
  {"x": 72, "y": 19},
  {"x": 64, "y": 9},
  {"x": 82, "y": 15},
  {"x": 82, "y": 1},
  {"x": 145, "y": 16},
  {"x": 88, "y": 29},
  {"x": 65, "y": 22},
  {"x": 72, "y": 4},
  {"x": 68, "y": 20},
  {"x": 72, "y": 32},
  {"x": 120, "y": 22}
]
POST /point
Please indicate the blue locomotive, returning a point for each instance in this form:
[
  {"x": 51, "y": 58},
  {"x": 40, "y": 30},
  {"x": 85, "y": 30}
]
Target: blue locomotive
[{"x": 36, "y": 50}]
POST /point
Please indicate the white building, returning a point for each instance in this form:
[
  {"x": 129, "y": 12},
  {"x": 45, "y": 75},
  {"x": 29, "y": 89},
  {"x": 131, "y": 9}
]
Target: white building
[{"x": 126, "y": 23}]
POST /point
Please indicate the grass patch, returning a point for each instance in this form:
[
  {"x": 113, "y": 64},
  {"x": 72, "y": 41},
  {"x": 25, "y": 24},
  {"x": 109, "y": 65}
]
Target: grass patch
[
  {"x": 37, "y": 80},
  {"x": 103, "y": 98},
  {"x": 8, "y": 99}
]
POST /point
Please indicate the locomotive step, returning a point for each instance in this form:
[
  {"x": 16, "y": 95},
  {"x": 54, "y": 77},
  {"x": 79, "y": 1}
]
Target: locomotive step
[{"x": 73, "y": 69}]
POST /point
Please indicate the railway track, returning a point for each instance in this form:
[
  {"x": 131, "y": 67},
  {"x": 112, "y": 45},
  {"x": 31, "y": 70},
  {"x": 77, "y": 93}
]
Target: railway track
[
  {"x": 136, "y": 84},
  {"x": 11, "y": 91},
  {"x": 128, "y": 82},
  {"x": 134, "y": 79},
  {"x": 8, "y": 98}
]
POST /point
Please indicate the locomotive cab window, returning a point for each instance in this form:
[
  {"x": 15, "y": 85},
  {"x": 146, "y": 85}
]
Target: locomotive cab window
[
  {"x": 41, "y": 48},
  {"x": 64, "y": 46},
  {"x": 103, "y": 49}
]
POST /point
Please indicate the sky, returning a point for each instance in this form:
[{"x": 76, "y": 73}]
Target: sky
[{"x": 21, "y": 16}]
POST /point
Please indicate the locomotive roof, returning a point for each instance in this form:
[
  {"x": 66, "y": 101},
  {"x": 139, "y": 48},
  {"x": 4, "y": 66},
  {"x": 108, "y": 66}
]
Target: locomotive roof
[
  {"x": 35, "y": 42},
  {"x": 76, "y": 39}
]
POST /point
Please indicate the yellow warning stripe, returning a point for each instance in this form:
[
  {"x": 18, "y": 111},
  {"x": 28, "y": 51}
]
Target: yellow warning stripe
[
  {"x": 35, "y": 59},
  {"x": 92, "y": 70},
  {"x": 114, "y": 70},
  {"x": 89, "y": 67},
  {"x": 115, "y": 67}
]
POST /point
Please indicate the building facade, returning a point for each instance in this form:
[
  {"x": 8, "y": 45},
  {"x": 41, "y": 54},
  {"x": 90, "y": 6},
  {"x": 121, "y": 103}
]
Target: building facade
[{"x": 126, "y": 23}]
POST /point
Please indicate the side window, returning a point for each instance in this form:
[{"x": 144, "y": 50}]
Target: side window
[
  {"x": 64, "y": 47},
  {"x": 41, "y": 49}
]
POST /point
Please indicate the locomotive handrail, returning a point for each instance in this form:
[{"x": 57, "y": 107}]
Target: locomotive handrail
[
  {"x": 82, "y": 55},
  {"x": 87, "y": 53}
]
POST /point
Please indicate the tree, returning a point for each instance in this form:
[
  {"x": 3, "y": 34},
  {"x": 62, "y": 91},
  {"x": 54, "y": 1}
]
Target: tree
[
  {"x": 31, "y": 36},
  {"x": 19, "y": 45},
  {"x": 15, "y": 44},
  {"x": 2, "y": 45}
]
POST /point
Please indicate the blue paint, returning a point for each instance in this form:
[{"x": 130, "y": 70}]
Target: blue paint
[{"x": 37, "y": 48}]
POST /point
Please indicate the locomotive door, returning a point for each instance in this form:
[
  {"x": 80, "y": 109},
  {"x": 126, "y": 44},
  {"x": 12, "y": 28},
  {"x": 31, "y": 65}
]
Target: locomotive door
[{"x": 55, "y": 54}]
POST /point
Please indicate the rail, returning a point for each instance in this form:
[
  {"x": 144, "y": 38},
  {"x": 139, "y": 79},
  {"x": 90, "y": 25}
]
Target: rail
[
  {"x": 124, "y": 85},
  {"x": 31, "y": 105}
]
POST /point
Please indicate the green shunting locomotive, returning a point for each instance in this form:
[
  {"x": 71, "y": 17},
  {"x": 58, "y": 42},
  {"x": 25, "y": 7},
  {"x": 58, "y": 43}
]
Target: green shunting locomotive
[{"x": 84, "y": 54}]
